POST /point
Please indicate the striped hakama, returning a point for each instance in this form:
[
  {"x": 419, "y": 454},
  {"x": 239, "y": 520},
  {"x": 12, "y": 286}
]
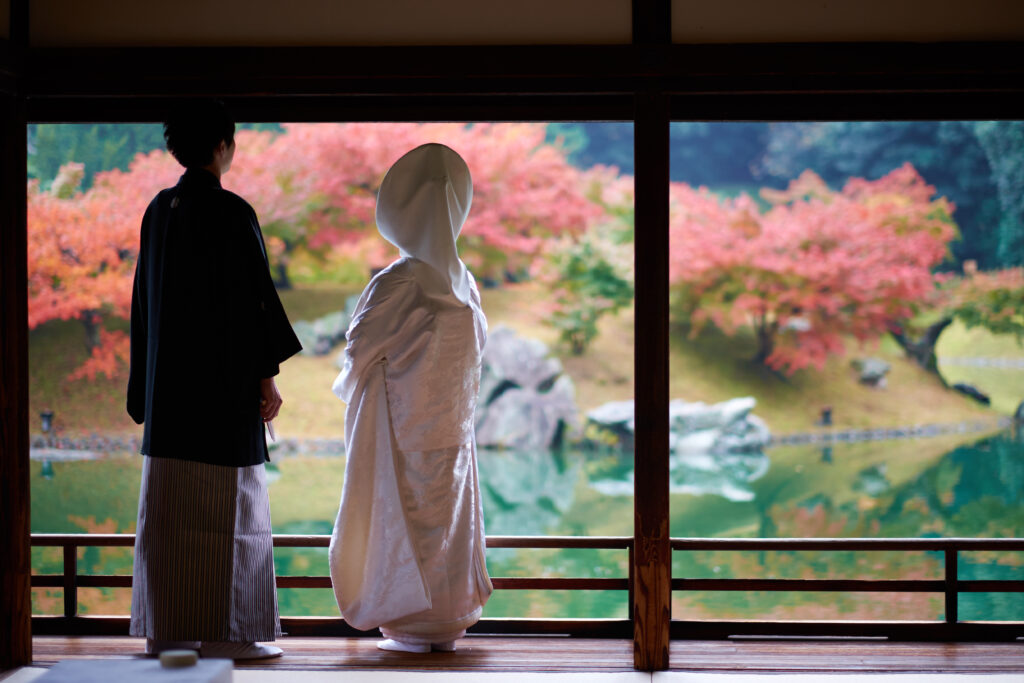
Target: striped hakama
[{"x": 204, "y": 561}]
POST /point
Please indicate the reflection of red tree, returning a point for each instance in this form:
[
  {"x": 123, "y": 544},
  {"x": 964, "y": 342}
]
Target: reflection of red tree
[
  {"x": 814, "y": 267},
  {"x": 815, "y": 521}
]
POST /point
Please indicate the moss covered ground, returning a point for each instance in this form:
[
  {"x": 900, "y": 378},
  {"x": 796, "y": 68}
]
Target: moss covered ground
[{"x": 710, "y": 368}]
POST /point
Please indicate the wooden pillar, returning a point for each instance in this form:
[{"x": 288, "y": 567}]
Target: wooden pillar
[
  {"x": 15, "y": 553},
  {"x": 15, "y": 592},
  {"x": 651, "y": 556}
]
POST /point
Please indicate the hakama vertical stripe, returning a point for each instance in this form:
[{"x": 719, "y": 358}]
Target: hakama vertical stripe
[{"x": 204, "y": 562}]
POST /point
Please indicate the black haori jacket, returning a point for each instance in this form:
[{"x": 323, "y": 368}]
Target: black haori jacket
[{"x": 207, "y": 325}]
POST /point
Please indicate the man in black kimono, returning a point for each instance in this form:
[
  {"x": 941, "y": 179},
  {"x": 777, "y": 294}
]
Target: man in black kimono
[{"x": 207, "y": 334}]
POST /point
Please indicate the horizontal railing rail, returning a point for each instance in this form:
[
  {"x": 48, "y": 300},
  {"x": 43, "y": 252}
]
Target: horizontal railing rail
[
  {"x": 71, "y": 623},
  {"x": 950, "y": 585},
  {"x": 837, "y": 544}
]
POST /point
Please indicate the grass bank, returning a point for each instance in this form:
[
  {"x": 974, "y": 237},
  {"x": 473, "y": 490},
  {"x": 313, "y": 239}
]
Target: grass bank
[{"x": 710, "y": 368}]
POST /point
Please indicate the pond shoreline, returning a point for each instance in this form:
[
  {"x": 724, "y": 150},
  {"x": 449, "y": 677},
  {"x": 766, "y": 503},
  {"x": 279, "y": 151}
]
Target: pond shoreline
[
  {"x": 43, "y": 447},
  {"x": 830, "y": 435}
]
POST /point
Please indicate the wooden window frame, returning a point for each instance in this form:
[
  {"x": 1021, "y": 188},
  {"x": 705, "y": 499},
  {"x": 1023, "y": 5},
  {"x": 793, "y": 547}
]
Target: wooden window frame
[{"x": 650, "y": 82}]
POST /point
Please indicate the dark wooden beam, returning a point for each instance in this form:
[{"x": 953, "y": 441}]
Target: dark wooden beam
[
  {"x": 15, "y": 594},
  {"x": 796, "y": 106},
  {"x": 293, "y": 108},
  {"x": 813, "y": 68},
  {"x": 652, "y": 593},
  {"x": 652, "y": 22}
]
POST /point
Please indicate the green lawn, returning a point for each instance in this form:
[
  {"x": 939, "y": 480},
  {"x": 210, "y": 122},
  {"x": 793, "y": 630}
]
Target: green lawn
[
  {"x": 1005, "y": 386},
  {"x": 709, "y": 368}
]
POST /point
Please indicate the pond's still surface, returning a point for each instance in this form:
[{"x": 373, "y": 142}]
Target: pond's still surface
[{"x": 951, "y": 486}]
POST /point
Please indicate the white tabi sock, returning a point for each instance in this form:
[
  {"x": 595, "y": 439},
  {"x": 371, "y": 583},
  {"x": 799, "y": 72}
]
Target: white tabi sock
[{"x": 393, "y": 645}]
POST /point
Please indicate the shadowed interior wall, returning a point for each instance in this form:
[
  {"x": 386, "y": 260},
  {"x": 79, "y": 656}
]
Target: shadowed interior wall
[
  {"x": 757, "y": 21},
  {"x": 328, "y": 22},
  {"x": 469, "y": 22}
]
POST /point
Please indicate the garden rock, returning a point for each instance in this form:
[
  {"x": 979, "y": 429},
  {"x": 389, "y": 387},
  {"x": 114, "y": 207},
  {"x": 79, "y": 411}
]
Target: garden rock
[
  {"x": 872, "y": 371},
  {"x": 615, "y": 423},
  {"x": 727, "y": 427},
  {"x": 526, "y": 401},
  {"x": 320, "y": 336},
  {"x": 1018, "y": 415}
]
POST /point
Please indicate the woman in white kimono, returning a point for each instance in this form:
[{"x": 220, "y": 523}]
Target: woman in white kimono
[{"x": 407, "y": 552}]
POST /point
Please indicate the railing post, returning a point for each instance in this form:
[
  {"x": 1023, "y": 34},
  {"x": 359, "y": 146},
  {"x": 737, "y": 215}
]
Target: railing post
[
  {"x": 70, "y": 580},
  {"x": 629, "y": 594},
  {"x": 952, "y": 588}
]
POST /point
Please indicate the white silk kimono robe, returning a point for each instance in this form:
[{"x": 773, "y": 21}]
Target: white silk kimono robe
[{"x": 407, "y": 552}]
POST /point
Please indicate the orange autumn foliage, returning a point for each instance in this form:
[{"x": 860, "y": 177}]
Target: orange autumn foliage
[{"x": 314, "y": 189}]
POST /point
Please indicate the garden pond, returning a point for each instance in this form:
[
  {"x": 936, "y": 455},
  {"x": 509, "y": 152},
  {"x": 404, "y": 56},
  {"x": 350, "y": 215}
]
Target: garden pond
[{"x": 955, "y": 485}]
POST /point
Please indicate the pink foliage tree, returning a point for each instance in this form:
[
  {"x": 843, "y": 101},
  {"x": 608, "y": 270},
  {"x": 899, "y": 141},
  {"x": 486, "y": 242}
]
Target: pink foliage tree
[
  {"x": 314, "y": 188},
  {"x": 814, "y": 267},
  {"x": 82, "y": 249}
]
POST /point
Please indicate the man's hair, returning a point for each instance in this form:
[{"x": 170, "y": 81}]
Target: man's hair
[{"x": 195, "y": 128}]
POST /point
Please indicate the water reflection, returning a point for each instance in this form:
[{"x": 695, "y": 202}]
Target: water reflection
[
  {"x": 728, "y": 475},
  {"x": 527, "y": 493},
  {"x": 950, "y": 486}
]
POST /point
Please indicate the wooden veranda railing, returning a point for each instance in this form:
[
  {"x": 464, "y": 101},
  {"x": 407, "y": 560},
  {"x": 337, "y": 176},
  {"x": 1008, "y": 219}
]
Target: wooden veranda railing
[
  {"x": 950, "y": 585},
  {"x": 71, "y": 623}
]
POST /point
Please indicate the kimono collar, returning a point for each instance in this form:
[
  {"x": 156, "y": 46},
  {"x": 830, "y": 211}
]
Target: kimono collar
[
  {"x": 199, "y": 176},
  {"x": 421, "y": 206}
]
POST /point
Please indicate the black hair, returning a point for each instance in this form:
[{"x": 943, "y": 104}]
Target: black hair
[{"x": 195, "y": 128}]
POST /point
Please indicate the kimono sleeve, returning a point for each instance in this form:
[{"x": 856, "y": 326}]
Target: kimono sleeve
[
  {"x": 379, "y": 315},
  {"x": 139, "y": 334},
  {"x": 275, "y": 339}
]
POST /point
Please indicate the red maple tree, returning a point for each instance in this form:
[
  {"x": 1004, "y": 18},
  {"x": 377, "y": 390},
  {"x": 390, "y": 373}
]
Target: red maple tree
[
  {"x": 814, "y": 267},
  {"x": 314, "y": 188}
]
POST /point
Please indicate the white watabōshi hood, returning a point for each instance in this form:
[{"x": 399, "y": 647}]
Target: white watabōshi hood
[{"x": 421, "y": 206}]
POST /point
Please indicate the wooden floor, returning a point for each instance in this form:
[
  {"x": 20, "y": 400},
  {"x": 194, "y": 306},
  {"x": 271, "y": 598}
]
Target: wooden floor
[{"x": 483, "y": 653}]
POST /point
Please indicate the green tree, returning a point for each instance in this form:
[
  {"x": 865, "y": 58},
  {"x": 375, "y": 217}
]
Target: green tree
[
  {"x": 606, "y": 143},
  {"x": 591, "y": 275},
  {"x": 99, "y": 147},
  {"x": 1003, "y": 142},
  {"x": 946, "y": 153},
  {"x": 992, "y": 300}
]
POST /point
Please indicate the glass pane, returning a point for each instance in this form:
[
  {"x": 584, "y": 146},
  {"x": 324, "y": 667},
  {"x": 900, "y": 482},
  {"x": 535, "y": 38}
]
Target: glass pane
[
  {"x": 847, "y": 315},
  {"x": 549, "y": 240}
]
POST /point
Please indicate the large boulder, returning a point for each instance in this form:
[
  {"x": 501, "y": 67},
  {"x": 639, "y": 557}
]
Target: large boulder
[
  {"x": 726, "y": 427},
  {"x": 526, "y": 401},
  {"x": 513, "y": 361},
  {"x": 611, "y": 424}
]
